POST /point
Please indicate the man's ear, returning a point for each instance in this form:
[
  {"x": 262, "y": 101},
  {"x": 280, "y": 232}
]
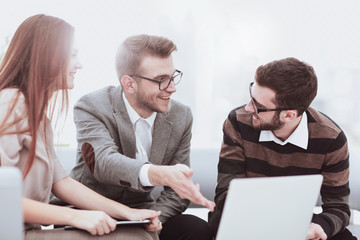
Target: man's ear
[
  {"x": 128, "y": 84},
  {"x": 290, "y": 115}
]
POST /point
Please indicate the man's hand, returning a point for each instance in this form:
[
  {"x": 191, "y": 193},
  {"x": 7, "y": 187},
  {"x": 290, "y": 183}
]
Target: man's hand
[
  {"x": 178, "y": 177},
  {"x": 315, "y": 232}
]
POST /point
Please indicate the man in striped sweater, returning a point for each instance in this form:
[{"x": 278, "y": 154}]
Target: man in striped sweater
[{"x": 278, "y": 134}]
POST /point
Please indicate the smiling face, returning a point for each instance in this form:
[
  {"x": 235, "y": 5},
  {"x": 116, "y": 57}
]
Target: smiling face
[
  {"x": 147, "y": 97},
  {"x": 74, "y": 65},
  {"x": 264, "y": 98}
]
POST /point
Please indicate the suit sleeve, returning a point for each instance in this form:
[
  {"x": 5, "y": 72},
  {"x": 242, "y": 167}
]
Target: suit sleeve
[
  {"x": 94, "y": 121},
  {"x": 169, "y": 202}
]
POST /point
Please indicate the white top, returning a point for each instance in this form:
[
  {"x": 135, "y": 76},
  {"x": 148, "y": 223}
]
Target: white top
[
  {"x": 141, "y": 152},
  {"x": 299, "y": 137},
  {"x": 14, "y": 148}
]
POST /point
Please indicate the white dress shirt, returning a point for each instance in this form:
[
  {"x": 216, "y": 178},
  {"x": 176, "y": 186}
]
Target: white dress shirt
[
  {"x": 141, "y": 152},
  {"x": 299, "y": 137}
]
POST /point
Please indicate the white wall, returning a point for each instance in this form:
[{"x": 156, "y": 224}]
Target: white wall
[{"x": 221, "y": 43}]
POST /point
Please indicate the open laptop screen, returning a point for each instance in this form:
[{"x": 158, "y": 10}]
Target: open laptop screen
[{"x": 269, "y": 208}]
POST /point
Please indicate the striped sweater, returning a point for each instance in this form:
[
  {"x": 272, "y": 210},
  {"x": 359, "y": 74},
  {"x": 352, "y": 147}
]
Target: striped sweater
[{"x": 242, "y": 155}]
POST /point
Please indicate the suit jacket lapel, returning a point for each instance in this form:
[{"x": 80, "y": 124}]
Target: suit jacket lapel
[
  {"x": 161, "y": 133},
  {"x": 124, "y": 125},
  {"x": 161, "y": 136}
]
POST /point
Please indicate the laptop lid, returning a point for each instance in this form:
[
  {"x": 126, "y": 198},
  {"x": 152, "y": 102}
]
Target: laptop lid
[
  {"x": 269, "y": 208},
  {"x": 11, "y": 214}
]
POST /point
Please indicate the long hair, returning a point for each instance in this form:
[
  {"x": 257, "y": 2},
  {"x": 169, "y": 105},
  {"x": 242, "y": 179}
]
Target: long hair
[{"x": 36, "y": 64}]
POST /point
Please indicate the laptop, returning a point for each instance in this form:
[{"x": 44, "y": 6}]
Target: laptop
[
  {"x": 272, "y": 208},
  {"x": 11, "y": 213}
]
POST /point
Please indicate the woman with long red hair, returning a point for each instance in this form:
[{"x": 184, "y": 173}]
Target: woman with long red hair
[{"x": 39, "y": 63}]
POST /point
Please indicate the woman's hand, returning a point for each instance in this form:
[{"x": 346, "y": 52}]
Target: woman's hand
[
  {"x": 82, "y": 197},
  {"x": 95, "y": 222},
  {"x": 141, "y": 214}
]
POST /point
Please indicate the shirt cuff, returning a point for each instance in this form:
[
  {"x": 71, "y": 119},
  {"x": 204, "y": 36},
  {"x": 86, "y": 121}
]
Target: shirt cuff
[{"x": 144, "y": 175}]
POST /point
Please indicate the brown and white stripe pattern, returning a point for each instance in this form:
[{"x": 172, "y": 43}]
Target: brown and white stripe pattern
[{"x": 242, "y": 155}]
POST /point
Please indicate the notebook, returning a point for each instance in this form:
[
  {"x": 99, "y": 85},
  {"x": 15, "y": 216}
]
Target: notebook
[
  {"x": 11, "y": 214},
  {"x": 269, "y": 208}
]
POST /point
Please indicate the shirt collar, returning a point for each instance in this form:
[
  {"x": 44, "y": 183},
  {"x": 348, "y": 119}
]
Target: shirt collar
[
  {"x": 134, "y": 116},
  {"x": 300, "y": 137}
]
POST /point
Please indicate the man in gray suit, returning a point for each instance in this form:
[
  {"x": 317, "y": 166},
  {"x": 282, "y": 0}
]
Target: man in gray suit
[{"x": 134, "y": 137}]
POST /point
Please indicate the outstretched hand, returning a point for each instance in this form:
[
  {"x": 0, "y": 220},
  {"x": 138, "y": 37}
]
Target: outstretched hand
[{"x": 178, "y": 177}]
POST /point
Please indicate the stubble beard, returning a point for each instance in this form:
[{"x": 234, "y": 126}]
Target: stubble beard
[
  {"x": 153, "y": 107},
  {"x": 274, "y": 124}
]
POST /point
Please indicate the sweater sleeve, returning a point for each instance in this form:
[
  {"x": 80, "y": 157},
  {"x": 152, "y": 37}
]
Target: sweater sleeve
[
  {"x": 335, "y": 189},
  {"x": 231, "y": 165}
]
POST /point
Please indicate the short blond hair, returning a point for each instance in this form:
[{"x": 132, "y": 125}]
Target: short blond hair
[{"x": 133, "y": 49}]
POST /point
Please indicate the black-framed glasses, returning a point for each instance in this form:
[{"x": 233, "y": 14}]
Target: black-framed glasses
[
  {"x": 164, "y": 83},
  {"x": 259, "y": 110}
]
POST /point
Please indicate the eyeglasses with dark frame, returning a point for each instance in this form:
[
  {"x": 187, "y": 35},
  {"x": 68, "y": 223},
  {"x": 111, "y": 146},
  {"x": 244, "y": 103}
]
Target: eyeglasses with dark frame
[
  {"x": 259, "y": 110},
  {"x": 164, "y": 83}
]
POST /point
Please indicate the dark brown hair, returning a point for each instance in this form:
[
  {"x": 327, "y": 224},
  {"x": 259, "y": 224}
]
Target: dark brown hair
[
  {"x": 36, "y": 63},
  {"x": 293, "y": 81}
]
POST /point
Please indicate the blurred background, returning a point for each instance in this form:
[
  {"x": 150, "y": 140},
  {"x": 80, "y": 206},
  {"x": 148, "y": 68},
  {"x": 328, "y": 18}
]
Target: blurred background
[{"x": 220, "y": 45}]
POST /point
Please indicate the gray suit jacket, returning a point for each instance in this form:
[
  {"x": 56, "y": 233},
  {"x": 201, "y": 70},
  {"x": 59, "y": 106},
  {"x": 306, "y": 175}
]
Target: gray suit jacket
[{"x": 106, "y": 150}]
